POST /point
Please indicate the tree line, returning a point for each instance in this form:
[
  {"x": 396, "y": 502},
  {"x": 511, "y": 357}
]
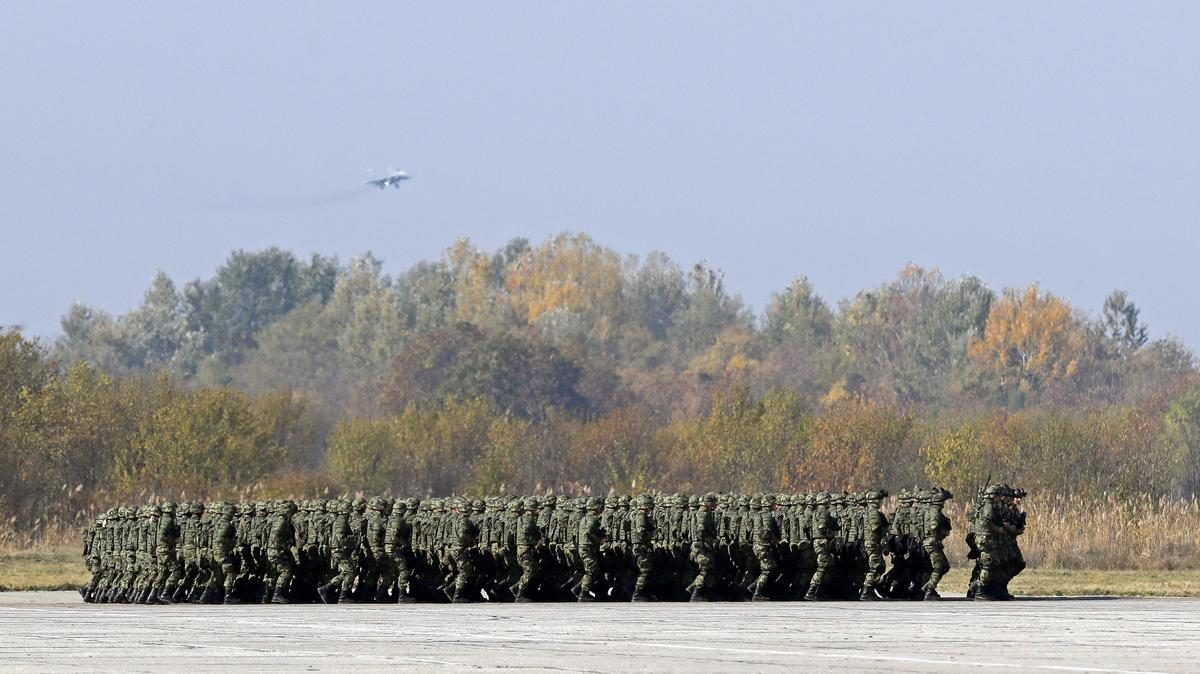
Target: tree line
[{"x": 566, "y": 364}]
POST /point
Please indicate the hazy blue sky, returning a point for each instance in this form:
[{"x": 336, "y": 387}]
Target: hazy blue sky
[{"x": 1054, "y": 142}]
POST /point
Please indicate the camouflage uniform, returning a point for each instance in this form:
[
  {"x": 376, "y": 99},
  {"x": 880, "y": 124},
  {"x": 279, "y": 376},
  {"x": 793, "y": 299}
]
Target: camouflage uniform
[{"x": 875, "y": 527}]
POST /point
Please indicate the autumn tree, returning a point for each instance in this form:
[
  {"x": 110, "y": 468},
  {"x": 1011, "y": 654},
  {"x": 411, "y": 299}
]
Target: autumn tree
[{"x": 1032, "y": 341}]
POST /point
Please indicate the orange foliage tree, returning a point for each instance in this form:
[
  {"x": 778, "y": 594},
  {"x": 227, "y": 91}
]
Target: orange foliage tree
[{"x": 1032, "y": 340}]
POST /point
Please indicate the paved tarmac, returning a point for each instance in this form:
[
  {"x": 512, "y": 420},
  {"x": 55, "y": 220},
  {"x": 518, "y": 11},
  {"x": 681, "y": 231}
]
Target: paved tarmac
[{"x": 55, "y": 631}]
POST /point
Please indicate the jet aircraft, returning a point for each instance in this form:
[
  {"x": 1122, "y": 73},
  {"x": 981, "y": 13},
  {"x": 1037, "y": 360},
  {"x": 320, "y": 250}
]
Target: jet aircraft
[{"x": 392, "y": 179}]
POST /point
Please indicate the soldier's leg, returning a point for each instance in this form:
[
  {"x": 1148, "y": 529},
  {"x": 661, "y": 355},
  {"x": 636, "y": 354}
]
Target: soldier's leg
[
  {"x": 591, "y": 569},
  {"x": 404, "y": 571},
  {"x": 702, "y": 583},
  {"x": 527, "y": 558},
  {"x": 216, "y": 582},
  {"x": 824, "y": 561},
  {"x": 644, "y": 558},
  {"x": 875, "y": 570},
  {"x": 387, "y": 577},
  {"x": 464, "y": 579},
  {"x": 229, "y": 574},
  {"x": 283, "y": 581},
  {"x": 939, "y": 566},
  {"x": 767, "y": 567},
  {"x": 985, "y": 586}
]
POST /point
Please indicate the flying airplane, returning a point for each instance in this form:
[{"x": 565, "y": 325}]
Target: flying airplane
[{"x": 392, "y": 179}]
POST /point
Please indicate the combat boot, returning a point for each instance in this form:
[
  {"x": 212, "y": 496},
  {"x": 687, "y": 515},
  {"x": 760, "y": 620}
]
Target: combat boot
[
  {"x": 280, "y": 598},
  {"x": 868, "y": 594},
  {"x": 698, "y": 594},
  {"x": 639, "y": 597},
  {"x": 932, "y": 595},
  {"x": 180, "y": 594},
  {"x": 381, "y": 596}
]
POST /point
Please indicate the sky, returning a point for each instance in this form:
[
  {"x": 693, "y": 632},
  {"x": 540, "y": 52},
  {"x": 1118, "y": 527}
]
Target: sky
[{"x": 1055, "y": 143}]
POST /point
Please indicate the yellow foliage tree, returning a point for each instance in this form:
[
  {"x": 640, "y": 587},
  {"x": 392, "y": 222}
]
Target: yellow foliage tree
[
  {"x": 1032, "y": 340},
  {"x": 568, "y": 275}
]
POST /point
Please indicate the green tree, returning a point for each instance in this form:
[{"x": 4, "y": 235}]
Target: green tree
[
  {"x": 908, "y": 339},
  {"x": 522, "y": 376},
  {"x": 1183, "y": 420},
  {"x": 210, "y": 439},
  {"x": 1120, "y": 323},
  {"x": 363, "y": 454},
  {"x": 248, "y": 293}
]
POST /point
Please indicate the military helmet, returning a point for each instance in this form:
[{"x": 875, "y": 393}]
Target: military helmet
[
  {"x": 709, "y": 499},
  {"x": 359, "y": 504},
  {"x": 197, "y": 508},
  {"x": 595, "y": 503},
  {"x": 768, "y": 500},
  {"x": 992, "y": 490},
  {"x": 168, "y": 507},
  {"x": 412, "y": 503}
]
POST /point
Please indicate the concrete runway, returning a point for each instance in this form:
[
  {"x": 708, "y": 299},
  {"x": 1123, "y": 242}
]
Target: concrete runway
[{"x": 55, "y": 631}]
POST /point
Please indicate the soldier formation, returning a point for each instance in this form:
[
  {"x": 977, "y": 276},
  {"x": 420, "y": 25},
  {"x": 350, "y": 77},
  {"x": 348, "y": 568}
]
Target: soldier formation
[{"x": 546, "y": 548}]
